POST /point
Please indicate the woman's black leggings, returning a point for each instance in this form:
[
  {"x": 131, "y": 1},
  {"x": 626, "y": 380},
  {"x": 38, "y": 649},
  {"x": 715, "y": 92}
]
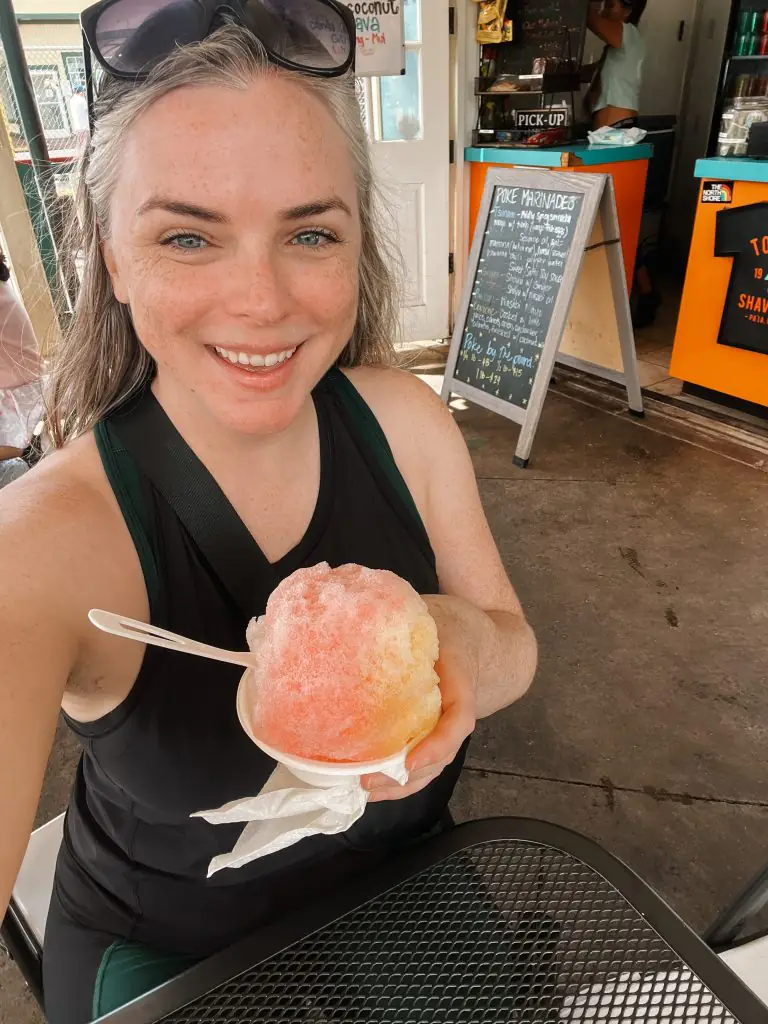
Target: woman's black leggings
[{"x": 71, "y": 959}]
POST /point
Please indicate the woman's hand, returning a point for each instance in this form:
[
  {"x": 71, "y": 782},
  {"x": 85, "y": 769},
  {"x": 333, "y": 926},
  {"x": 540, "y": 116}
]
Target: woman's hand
[{"x": 458, "y": 668}]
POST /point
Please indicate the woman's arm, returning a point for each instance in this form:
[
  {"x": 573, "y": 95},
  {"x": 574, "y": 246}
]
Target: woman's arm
[
  {"x": 478, "y": 605},
  {"x": 62, "y": 551},
  {"x": 487, "y": 649},
  {"x": 37, "y": 650},
  {"x": 611, "y": 32}
]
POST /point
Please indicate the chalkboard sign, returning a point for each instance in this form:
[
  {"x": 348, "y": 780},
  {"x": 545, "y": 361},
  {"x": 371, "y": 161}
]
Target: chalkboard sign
[
  {"x": 519, "y": 273},
  {"x": 531, "y": 234},
  {"x": 544, "y": 28}
]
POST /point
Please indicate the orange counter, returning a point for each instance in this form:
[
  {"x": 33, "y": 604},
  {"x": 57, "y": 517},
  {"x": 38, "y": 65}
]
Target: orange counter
[{"x": 697, "y": 358}]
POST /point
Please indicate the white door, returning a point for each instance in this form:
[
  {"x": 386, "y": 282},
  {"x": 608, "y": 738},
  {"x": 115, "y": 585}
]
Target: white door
[
  {"x": 668, "y": 31},
  {"x": 707, "y": 46},
  {"x": 408, "y": 123}
]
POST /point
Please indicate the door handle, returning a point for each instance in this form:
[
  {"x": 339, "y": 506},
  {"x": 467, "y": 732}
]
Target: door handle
[{"x": 680, "y": 31}]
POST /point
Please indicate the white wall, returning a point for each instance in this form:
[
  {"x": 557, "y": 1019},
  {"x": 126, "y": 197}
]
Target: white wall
[
  {"x": 709, "y": 38},
  {"x": 666, "y": 53}
]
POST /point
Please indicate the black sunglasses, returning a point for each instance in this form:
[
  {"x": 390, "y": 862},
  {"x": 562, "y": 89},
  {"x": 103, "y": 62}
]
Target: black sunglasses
[{"x": 130, "y": 37}]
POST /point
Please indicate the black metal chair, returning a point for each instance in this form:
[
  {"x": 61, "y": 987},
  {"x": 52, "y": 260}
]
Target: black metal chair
[
  {"x": 745, "y": 954},
  {"x": 728, "y": 928},
  {"x": 23, "y": 928},
  {"x": 20, "y": 944}
]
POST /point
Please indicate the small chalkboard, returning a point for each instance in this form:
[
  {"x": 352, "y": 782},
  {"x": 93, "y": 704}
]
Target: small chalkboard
[
  {"x": 544, "y": 28},
  {"x": 530, "y": 237}
]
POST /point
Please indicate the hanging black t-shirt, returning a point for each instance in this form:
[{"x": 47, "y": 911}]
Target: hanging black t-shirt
[{"x": 742, "y": 233}]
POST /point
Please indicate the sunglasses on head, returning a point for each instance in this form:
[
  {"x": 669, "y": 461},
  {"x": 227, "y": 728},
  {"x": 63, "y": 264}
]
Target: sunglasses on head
[{"x": 129, "y": 38}]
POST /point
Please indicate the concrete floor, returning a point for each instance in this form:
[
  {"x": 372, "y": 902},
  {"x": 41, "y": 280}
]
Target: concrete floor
[{"x": 640, "y": 560}]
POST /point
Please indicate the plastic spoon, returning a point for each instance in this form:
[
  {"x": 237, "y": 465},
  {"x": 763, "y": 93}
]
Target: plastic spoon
[{"x": 132, "y": 629}]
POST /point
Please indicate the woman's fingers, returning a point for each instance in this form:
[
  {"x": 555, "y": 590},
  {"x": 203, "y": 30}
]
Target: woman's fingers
[
  {"x": 429, "y": 757},
  {"x": 427, "y": 760},
  {"x": 393, "y": 791},
  {"x": 441, "y": 746},
  {"x": 373, "y": 783},
  {"x": 433, "y": 754}
]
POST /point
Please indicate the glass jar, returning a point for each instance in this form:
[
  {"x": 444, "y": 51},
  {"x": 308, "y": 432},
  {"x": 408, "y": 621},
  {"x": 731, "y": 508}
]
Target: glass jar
[{"x": 738, "y": 118}]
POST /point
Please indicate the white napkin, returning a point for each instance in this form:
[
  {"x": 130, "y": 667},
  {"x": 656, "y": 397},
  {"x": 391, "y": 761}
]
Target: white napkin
[
  {"x": 609, "y": 136},
  {"x": 289, "y": 809}
]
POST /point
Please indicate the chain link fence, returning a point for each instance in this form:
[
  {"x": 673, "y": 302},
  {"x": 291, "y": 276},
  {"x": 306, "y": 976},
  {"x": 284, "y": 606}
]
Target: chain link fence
[
  {"x": 57, "y": 71},
  {"x": 58, "y": 80}
]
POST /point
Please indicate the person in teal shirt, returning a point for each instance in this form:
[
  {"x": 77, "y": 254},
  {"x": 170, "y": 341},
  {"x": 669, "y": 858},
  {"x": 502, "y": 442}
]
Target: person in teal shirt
[{"x": 614, "y": 95}]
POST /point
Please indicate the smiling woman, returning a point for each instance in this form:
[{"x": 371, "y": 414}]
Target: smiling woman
[
  {"x": 163, "y": 223},
  {"x": 237, "y": 297}
]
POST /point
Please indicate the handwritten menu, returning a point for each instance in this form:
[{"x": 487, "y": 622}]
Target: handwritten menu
[
  {"x": 528, "y": 236},
  {"x": 544, "y": 28}
]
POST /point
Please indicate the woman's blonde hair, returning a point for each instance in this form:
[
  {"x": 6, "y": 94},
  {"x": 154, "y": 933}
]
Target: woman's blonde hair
[{"x": 100, "y": 361}]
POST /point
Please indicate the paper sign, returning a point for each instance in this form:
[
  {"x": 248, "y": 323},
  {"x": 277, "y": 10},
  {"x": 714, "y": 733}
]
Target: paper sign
[
  {"x": 551, "y": 117},
  {"x": 379, "y": 26}
]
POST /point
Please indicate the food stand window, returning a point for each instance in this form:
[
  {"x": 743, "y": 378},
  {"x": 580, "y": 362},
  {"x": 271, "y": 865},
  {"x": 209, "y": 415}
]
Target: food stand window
[{"x": 529, "y": 78}]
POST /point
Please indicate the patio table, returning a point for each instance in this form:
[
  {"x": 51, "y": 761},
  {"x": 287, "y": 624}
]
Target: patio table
[{"x": 503, "y": 920}]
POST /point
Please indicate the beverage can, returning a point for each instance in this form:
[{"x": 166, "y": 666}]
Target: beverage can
[{"x": 742, "y": 86}]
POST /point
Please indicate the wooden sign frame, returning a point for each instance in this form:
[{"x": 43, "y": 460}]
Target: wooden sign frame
[{"x": 598, "y": 200}]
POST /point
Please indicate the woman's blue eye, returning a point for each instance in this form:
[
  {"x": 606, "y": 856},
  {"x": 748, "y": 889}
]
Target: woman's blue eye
[
  {"x": 187, "y": 242},
  {"x": 314, "y": 239}
]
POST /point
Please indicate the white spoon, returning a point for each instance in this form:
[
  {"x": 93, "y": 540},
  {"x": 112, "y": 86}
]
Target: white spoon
[{"x": 132, "y": 629}]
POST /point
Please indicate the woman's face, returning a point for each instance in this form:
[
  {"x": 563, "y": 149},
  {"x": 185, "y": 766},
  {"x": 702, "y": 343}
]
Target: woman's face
[{"x": 235, "y": 241}]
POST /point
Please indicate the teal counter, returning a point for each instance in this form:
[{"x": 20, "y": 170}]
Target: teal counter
[
  {"x": 562, "y": 156},
  {"x": 735, "y": 168}
]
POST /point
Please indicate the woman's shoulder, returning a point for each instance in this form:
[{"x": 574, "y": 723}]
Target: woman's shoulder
[
  {"x": 64, "y": 550},
  {"x": 419, "y": 426},
  {"x": 66, "y": 475},
  {"x": 391, "y": 384},
  {"x": 59, "y": 511},
  {"x": 401, "y": 401},
  {"x": 632, "y": 38}
]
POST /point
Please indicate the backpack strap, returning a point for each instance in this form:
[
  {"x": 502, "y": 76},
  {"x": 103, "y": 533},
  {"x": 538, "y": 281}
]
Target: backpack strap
[{"x": 165, "y": 458}]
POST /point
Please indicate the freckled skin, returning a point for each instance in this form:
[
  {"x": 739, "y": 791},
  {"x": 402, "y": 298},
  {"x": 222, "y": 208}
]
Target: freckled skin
[{"x": 248, "y": 154}]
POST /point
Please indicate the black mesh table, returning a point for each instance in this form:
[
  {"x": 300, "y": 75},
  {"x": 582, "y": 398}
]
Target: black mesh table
[{"x": 495, "y": 921}]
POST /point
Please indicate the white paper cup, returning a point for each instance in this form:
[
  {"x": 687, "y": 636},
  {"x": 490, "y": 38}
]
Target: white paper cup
[{"x": 318, "y": 773}]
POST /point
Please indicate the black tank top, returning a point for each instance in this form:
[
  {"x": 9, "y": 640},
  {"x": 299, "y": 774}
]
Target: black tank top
[{"x": 134, "y": 862}]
